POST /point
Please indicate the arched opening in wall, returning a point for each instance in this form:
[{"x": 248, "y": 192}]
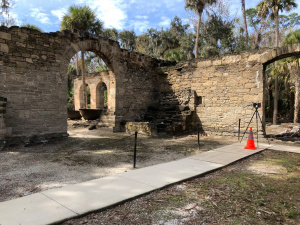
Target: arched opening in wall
[
  {"x": 282, "y": 79},
  {"x": 81, "y": 97},
  {"x": 93, "y": 86},
  {"x": 102, "y": 96},
  {"x": 88, "y": 96},
  {"x": 93, "y": 66}
]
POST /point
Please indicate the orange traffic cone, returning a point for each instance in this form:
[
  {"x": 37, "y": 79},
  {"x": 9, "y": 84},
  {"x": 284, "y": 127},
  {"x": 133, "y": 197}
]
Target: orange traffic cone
[{"x": 250, "y": 141}]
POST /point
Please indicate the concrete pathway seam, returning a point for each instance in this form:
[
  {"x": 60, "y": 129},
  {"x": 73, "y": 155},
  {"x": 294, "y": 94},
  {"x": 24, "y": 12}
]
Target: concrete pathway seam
[
  {"x": 59, "y": 204},
  {"x": 120, "y": 175}
]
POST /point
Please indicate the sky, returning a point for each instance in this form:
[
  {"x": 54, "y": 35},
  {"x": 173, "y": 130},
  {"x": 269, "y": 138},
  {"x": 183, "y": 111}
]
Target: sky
[{"x": 137, "y": 15}]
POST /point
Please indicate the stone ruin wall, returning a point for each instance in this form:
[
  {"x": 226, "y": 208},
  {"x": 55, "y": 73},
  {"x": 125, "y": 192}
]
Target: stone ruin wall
[
  {"x": 2, "y": 121},
  {"x": 33, "y": 68},
  {"x": 224, "y": 91},
  {"x": 94, "y": 81},
  {"x": 228, "y": 87},
  {"x": 33, "y": 80}
]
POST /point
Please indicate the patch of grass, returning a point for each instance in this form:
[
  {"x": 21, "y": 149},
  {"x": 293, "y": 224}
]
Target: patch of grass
[
  {"x": 293, "y": 214},
  {"x": 175, "y": 200},
  {"x": 260, "y": 202},
  {"x": 292, "y": 179}
]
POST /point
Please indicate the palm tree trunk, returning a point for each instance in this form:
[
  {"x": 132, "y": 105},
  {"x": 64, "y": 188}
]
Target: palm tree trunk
[
  {"x": 77, "y": 64},
  {"x": 271, "y": 103},
  {"x": 83, "y": 79},
  {"x": 245, "y": 20},
  {"x": 197, "y": 37},
  {"x": 297, "y": 99},
  {"x": 276, "y": 96},
  {"x": 277, "y": 29}
]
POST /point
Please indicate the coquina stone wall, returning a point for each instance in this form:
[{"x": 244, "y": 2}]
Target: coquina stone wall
[
  {"x": 33, "y": 68},
  {"x": 2, "y": 121},
  {"x": 213, "y": 92},
  {"x": 220, "y": 91},
  {"x": 33, "y": 79},
  {"x": 94, "y": 81}
]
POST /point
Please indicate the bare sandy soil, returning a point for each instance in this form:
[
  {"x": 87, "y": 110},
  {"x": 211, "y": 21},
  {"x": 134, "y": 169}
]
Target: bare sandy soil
[{"x": 86, "y": 155}]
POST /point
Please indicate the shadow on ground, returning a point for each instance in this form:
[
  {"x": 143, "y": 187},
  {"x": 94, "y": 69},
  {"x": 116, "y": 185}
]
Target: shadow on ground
[{"x": 89, "y": 154}]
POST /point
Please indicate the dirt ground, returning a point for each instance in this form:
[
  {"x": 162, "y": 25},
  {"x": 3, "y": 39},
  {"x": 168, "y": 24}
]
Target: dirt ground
[{"x": 89, "y": 154}]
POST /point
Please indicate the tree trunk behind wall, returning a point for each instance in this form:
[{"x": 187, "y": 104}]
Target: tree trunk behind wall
[
  {"x": 245, "y": 20},
  {"x": 77, "y": 64},
  {"x": 277, "y": 30},
  {"x": 276, "y": 97},
  {"x": 297, "y": 99},
  {"x": 83, "y": 79},
  {"x": 197, "y": 37}
]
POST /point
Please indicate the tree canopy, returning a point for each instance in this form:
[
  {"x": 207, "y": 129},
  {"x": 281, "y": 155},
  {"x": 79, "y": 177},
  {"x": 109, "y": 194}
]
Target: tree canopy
[{"x": 81, "y": 18}]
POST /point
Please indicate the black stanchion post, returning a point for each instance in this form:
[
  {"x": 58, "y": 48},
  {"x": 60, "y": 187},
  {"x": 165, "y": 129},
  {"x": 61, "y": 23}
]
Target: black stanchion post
[
  {"x": 257, "y": 128},
  {"x": 134, "y": 154},
  {"x": 239, "y": 129},
  {"x": 198, "y": 130}
]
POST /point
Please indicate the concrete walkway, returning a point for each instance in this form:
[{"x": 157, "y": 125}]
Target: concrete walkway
[{"x": 56, "y": 205}]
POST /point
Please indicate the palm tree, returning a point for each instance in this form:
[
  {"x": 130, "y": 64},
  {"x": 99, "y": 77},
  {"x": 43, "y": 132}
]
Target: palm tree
[
  {"x": 81, "y": 18},
  {"x": 245, "y": 19},
  {"x": 198, "y": 7},
  {"x": 272, "y": 8},
  {"x": 294, "y": 65}
]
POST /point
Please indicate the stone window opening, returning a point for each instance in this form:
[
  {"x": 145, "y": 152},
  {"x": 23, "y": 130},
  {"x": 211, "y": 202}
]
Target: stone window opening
[
  {"x": 103, "y": 96},
  {"x": 199, "y": 100},
  {"x": 88, "y": 97}
]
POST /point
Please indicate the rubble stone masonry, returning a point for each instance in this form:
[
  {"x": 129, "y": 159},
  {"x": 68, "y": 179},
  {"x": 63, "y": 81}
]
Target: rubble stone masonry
[
  {"x": 2, "y": 119},
  {"x": 224, "y": 88},
  {"x": 214, "y": 92},
  {"x": 33, "y": 68}
]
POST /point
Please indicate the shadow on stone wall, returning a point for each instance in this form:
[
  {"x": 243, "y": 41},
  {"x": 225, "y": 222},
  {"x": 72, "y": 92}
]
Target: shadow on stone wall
[
  {"x": 170, "y": 113},
  {"x": 3, "y": 102}
]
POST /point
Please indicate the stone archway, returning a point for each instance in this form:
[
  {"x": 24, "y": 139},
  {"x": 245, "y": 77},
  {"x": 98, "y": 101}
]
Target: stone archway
[
  {"x": 96, "y": 82},
  {"x": 125, "y": 69},
  {"x": 33, "y": 79},
  {"x": 102, "y": 94},
  {"x": 80, "y": 101},
  {"x": 109, "y": 77}
]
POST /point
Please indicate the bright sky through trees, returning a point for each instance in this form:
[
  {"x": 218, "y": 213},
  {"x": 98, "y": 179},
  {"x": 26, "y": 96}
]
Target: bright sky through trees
[{"x": 138, "y": 15}]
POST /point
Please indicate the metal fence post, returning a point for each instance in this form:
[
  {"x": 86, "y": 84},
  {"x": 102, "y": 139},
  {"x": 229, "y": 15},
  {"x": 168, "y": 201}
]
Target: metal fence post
[
  {"x": 239, "y": 129},
  {"x": 198, "y": 130},
  {"x": 134, "y": 154}
]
